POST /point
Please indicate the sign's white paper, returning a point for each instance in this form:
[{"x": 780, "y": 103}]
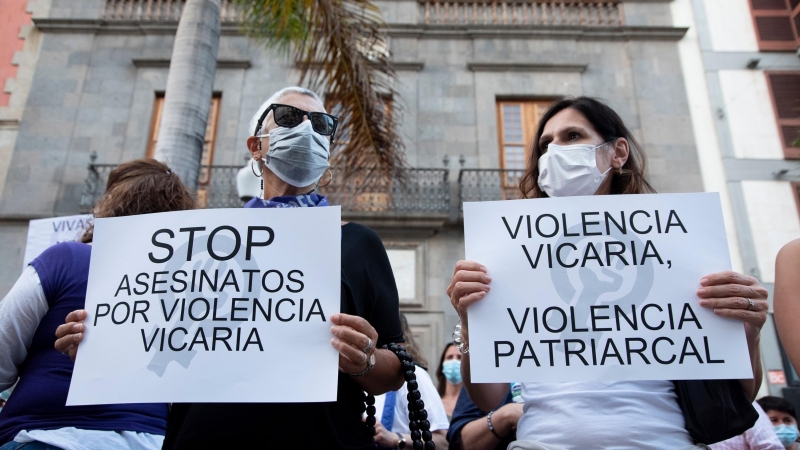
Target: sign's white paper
[
  {"x": 211, "y": 306},
  {"x": 44, "y": 233},
  {"x": 600, "y": 288}
]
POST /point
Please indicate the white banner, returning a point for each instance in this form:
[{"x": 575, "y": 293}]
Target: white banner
[
  {"x": 44, "y": 233},
  {"x": 600, "y": 288},
  {"x": 217, "y": 305}
]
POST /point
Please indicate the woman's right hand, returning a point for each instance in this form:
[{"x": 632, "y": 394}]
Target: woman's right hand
[
  {"x": 470, "y": 283},
  {"x": 70, "y": 334}
]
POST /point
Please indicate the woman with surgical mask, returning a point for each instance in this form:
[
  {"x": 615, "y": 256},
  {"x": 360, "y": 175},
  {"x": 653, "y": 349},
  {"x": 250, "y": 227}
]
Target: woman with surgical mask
[
  {"x": 449, "y": 377},
  {"x": 290, "y": 146},
  {"x": 582, "y": 147}
]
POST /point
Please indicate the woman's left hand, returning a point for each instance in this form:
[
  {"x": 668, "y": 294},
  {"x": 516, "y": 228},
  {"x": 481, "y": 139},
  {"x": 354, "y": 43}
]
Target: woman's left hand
[
  {"x": 352, "y": 337},
  {"x": 736, "y": 296}
]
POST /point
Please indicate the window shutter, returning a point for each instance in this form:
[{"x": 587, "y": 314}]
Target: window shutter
[
  {"x": 785, "y": 90},
  {"x": 773, "y": 22}
]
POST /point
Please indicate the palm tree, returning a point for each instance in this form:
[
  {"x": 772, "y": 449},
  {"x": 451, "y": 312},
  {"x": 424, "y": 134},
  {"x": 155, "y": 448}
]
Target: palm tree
[
  {"x": 341, "y": 50},
  {"x": 189, "y": 88}
]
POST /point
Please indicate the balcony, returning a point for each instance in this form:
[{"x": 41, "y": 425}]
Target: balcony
[
  {"x": 522, "y": 12},
  {"x": 599, "y": 13},
  {"x": 423, "y": 192},
  {"x": 158, "y": 10},
  {"x": 480, "y": 185}
]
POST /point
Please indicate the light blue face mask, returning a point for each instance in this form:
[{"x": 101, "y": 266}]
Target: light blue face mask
[
  {"x": 452, "y": 371},
  {"x": 297, "y": 155},
  {"x": 787, "y": 434}
]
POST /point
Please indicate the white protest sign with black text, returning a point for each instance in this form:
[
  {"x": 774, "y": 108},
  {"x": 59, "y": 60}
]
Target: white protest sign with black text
[
  {"x": 218, "y": 305},
  {"x": 600, "y": 288},
  {"x": 44, "y": 233}
]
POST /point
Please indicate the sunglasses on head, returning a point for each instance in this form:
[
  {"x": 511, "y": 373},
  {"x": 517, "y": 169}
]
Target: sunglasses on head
[{"x": 288, "y": 117}]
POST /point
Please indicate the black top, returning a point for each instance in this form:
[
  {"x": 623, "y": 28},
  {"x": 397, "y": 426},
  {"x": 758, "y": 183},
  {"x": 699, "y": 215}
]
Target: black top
[
  {"x": 465, "y": 412},
  {"x": 369, "y": 291}
]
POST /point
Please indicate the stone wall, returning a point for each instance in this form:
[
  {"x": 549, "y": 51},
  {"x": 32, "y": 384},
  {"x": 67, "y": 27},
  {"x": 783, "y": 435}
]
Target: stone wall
[{"x": 95, "y": 82}]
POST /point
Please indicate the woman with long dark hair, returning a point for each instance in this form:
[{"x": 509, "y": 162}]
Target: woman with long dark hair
[
  {"x": 50, "y": 287},
  {"x": 448, "y": 376},
  {"x": 582, "y": 147}
]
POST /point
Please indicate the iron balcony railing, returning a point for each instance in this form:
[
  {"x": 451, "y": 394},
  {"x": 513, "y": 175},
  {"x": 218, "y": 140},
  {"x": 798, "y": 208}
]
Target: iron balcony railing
[
  {"x": 598, "y": 13},
  {"x": 601, "y": 13},
  {"x": 422, "y": 191},
  {"x": 158, "y": 10},
  {"x": 479, "y": 185}
]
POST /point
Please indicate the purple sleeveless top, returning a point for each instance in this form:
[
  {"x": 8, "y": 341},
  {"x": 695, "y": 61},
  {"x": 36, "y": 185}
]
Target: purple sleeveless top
[{"x": 38, "y": 401}]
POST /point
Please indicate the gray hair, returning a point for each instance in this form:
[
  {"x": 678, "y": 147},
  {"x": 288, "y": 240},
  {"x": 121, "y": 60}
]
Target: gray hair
[{"x": 274, "y": 98}]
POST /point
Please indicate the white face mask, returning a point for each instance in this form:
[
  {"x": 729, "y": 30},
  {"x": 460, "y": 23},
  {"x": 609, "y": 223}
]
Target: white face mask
[
  {"x": 569, "y": 170},
  {"x": 297, "y": 155}
]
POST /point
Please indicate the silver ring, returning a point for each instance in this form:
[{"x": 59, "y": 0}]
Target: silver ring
[
  {"x": 369, "y": 346},
  {"x": 366, "y": 358},
  {"x": 750, "y": 306}
]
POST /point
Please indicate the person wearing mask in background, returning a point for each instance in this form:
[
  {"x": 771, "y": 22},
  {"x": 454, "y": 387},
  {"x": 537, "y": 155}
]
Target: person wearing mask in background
[
  {"x": 391, "y": 430},
  {"x": 50, "y": 287},
  {"x": 473, "y": 429},
  {"x": 761, "y": 437},
  {"x": 290, "y": 146},
  {"x": 787, "y": 300},
  {"x": 448, "y": 375},
  {"x": 582, "y": 147},
  {"x": 783, "y": 416}
]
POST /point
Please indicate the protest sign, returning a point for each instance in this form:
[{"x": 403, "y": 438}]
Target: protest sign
[
  {"x": 600, "y": 288},
  {"x": 44, "y": 233},
  {"x": 211, "y": 306}
]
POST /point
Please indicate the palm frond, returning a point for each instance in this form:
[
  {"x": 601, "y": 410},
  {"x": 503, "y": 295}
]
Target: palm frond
[{"x": 340, "y": 48}]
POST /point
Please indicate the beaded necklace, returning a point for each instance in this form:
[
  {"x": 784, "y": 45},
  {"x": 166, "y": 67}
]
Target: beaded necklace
[{"x": 417, "y": 416}]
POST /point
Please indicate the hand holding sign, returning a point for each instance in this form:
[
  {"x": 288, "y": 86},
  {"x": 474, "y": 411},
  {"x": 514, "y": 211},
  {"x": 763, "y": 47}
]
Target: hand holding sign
[
  {"x": 240, "y": 300},
  {"x": 603, "y": 288}
]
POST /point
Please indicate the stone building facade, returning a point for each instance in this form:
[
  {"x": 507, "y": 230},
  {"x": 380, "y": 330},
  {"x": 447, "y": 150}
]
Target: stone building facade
[{"x": 473, "y": 78}]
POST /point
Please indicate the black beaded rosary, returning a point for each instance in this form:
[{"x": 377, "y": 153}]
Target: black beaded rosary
[{"x": 417, "y": 416}]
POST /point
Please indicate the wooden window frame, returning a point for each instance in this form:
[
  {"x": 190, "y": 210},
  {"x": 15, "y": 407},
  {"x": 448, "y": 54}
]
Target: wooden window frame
[
  {"x": 796, "y": 195},
  {"x": 788, "y": 152},
  {"x": 791, "y": 14},
  {"x": 210, "y": 139}
]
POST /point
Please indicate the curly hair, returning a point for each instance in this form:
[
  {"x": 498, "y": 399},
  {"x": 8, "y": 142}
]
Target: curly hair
[
  {"x": 630, "y": 179},
  {"x": 141, "y": 186}
]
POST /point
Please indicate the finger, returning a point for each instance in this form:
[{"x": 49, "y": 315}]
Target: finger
[
  {"x": 471, "y": 275},
  {"x": 756, "y": 292},
  {"x": 69, "y": 328},
  {"x": 728, "y": 277},
  {"x": 79, "y": 315},
  {"x": 466, "y": 301},
  {"x": 357, "y": 323},
  {"x": 469, "y": 266},
  {"x": 352, "y": 337},
  {"x": 465, "y": 288},
  {"x": 478, "y": 278},
  {"x": 751, "y": 317},
  {"x": 355, "y": 356},
  {"x": 67, "y": 342},
  {"x": 475, "y": 274},
  {"x": 735, "y": 303}
]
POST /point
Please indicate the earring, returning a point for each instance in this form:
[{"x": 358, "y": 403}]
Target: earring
[
  {"x": 330, "y": 179},
  {"x": 252, "y": 168}
]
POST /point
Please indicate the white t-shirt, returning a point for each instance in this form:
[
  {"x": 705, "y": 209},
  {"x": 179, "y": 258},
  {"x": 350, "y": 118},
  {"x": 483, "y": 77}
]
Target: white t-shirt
[
  {"x": 433, "y": 405},
  {"x": 621, "y": 415}
]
